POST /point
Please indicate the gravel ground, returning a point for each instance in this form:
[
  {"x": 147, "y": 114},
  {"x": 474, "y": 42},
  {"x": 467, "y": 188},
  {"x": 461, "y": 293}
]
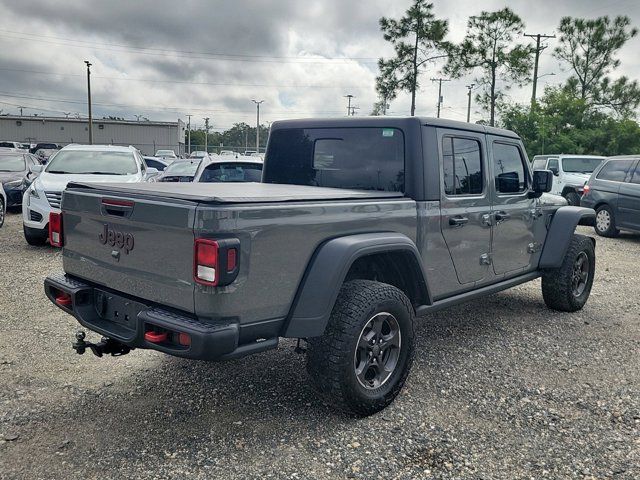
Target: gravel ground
[{"x": 501, "y": 388}]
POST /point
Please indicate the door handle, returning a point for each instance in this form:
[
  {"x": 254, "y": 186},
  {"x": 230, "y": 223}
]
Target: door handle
[
  {"x": 458, "y": 221},
  {"x": 502, "y": 216}
]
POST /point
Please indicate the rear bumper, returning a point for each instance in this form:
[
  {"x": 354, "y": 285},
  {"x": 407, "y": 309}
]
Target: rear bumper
[{"x": 208, "y": 341}]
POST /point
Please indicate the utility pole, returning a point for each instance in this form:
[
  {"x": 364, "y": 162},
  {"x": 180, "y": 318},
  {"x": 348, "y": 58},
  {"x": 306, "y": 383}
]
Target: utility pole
[
  {"x": 189, "y": 134},
  {"x": 20, "y": 110},
  {"x": 89, "y": 101},
  {"x": 257, "y": 123},
  {"x": 470, "y": 88},
  {"x": 206, "y": 134},
  {"x": 440, "y": 80},
  {"x": 353, "y": 110},
  {"x": 539, "y": 48},
  {"x": 349, "y": 97}
]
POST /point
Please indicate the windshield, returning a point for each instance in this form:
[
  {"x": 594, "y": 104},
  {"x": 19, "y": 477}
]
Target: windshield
[
  {"x": 232, "y": 172},
  {"x": 580, "y": 165},
  {"x": 90, "y": 162},
  {"x": 165, "y": 152},
  {"x": 198, "y": 154},
  {"x": 361, "y": 158},
  {"x": 12, "y": 163},
  {"x": 182, "y": 168}
]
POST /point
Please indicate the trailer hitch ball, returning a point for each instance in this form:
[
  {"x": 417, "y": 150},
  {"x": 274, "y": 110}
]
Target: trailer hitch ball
[{"x": 104, "y": 346}]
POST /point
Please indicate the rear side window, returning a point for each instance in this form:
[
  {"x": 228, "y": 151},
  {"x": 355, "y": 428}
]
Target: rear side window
[
  {"x": 539, "y": 164},
  {"x": 614, "y": 170},
  {"x": 232, "y": 172},
  {"x": 508, "y": 168},
  {"x": 358, "y": 158},
  {"x": 462, "y": 166},
  {"x": 155, "y": 164}
]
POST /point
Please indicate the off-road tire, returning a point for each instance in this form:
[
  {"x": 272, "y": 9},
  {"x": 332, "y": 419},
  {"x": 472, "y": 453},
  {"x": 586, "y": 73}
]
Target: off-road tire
[
  {"x": 557, "y": 285},
  {"x": 331, "y": 357},
  {"x": 572, "y": 198},
  {"x": 35, "y": 236},
  {"x": 611, "y": 231}
]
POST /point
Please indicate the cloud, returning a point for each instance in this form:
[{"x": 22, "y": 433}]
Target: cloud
[{"x": 167, "y": 59}]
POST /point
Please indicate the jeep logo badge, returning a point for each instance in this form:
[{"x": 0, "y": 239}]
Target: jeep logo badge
[{"x": 117, "y": 239}]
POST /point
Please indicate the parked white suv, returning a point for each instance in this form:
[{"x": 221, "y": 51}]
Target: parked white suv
[
  {"x": 570, "y": 172},
  {"x": 76, "y": 163}
]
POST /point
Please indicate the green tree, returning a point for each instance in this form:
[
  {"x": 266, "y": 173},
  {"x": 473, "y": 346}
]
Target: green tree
[
  {"x": 561, "y": 122},
  {"x": 417, "y": 38},
  {"x": 490, "y": 46},
  {"x": 589, "y": 47}
]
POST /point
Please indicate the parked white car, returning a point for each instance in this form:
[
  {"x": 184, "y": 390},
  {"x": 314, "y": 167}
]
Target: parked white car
[
  {"x": 76, "y": 163},
  {"x": 570, "y": 172},
  {"x": 3, "y": 205}
]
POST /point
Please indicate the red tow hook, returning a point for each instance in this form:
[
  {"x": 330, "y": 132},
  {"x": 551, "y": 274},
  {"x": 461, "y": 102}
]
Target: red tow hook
[
  {"x": 63, "y": 299},
  {"x": 155, "y": 337}
]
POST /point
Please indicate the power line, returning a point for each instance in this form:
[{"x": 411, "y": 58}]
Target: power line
[
  {"x": 69, "y": 42},
  {"x": 152, "y": 80}
]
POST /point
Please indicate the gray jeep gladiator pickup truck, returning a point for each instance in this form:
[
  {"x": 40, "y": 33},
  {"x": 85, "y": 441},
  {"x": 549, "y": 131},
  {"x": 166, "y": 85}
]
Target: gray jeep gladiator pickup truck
[{"x": 358, "y": 227}]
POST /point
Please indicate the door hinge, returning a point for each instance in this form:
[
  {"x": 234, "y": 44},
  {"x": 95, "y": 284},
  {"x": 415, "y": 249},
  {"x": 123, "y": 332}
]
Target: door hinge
[
  {"x": 486, "y": 220},
  {"x": 485, "y": 259},
  {"x": 534, "y": 247}
]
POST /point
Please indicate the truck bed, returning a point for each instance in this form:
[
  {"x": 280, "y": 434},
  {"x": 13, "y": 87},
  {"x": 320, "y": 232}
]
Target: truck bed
[{"x": 224, "y": 193}]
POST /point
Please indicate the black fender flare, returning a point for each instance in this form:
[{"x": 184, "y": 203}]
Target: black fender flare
[
  {"x": 563, "y": 225},
  {"x": 326, "y": 272}
]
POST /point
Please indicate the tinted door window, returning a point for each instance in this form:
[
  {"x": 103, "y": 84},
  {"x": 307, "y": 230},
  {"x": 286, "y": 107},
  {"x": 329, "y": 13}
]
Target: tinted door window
[
  {"x": 553, "y": 164},
  {"x": 155, "y": 164},
  {"x": 509, "y": 169},
  {"x": 359, "y": 158},
  {"x": 232, "y": 172},
  {"x": 462, "y": 166},
  {"x": 615, "y": 170}
]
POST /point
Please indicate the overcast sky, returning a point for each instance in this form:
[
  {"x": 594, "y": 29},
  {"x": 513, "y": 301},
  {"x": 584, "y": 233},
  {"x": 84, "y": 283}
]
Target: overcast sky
[{"x": 166, "y": 59}]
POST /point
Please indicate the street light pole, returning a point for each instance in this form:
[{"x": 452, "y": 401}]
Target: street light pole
[
  {"x": 189, "y": 134},
  {"x": 470, "y": 88},
  {"x": 257, "y": 123},
  {"x": 89, "y": 101}
]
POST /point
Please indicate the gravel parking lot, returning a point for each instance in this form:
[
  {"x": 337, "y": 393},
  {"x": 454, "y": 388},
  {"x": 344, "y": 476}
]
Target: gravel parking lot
[{"x": 501, "y": 388}]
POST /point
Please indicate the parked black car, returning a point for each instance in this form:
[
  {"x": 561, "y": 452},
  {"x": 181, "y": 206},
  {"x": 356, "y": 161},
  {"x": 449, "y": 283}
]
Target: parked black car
[
  {"x": 16, "y": 175},
  {"x": 613, "y": 191}
]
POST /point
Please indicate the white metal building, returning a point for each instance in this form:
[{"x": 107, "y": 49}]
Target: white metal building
[{"x": 147, "y": 136}]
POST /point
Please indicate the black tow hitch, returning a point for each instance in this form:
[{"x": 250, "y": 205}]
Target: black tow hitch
[{"x": 106, "y": 346}]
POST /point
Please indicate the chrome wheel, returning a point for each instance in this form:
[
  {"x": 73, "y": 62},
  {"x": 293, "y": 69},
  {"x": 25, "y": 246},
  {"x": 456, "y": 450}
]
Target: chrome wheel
[
  {"x": 603, "y": 220},
  {"x": 580, "y": 275},
  {"x": 377, "y": 350}
]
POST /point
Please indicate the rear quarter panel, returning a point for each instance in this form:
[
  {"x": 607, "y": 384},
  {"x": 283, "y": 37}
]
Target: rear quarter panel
[{"x": 277, "y": 242}]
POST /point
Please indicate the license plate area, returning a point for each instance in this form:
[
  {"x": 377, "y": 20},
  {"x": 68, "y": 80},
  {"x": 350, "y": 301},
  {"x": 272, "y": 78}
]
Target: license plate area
[{"x": 117, "y": 309}]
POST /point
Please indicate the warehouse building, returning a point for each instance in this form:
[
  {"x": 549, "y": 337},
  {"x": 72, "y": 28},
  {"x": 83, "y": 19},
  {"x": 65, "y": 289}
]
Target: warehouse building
[{"x": 148, "y": 136}]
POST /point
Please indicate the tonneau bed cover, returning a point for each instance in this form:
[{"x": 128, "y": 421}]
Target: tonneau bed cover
[{"x": 232, "y": 192}]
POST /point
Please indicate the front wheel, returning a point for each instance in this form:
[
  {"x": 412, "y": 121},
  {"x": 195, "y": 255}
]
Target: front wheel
[
  {"x": 363, "y": 358},
  {"x": 35, "y": 236},
  {"x": 572, "y": 198},
  {"x": 567, "y": 288}
]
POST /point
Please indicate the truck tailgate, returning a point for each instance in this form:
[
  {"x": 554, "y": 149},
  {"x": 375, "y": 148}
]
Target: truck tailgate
[{"x": 139, "y": 246}]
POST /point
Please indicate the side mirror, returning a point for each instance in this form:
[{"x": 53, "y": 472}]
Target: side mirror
[
  {"x": 542, "y": 182},
  {"x": 36, "y": 168},
  {"x": 554, "y": 170}
]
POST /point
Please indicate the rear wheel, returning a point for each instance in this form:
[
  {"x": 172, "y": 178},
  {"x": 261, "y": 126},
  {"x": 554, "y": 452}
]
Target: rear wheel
[
  {"x": 362, "y": 360},
  {"x": 2, "y": 210},
  {"x": 567, "y": 288},
  {"x": 35, "y": 236},
  {"x": 605, "y": 224}
]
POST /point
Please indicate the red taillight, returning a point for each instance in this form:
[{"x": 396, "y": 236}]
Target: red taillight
[
  {"x": 205, "y": 268},
  {"x": 585, "y": 190},
  {"x": 63, "y": 299},
  {"x": 155, "y": 337},
  {"x": 55, "y": 229},
  {"x": 184, "y": 339},
  {"x": 232, "y": 259}
]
